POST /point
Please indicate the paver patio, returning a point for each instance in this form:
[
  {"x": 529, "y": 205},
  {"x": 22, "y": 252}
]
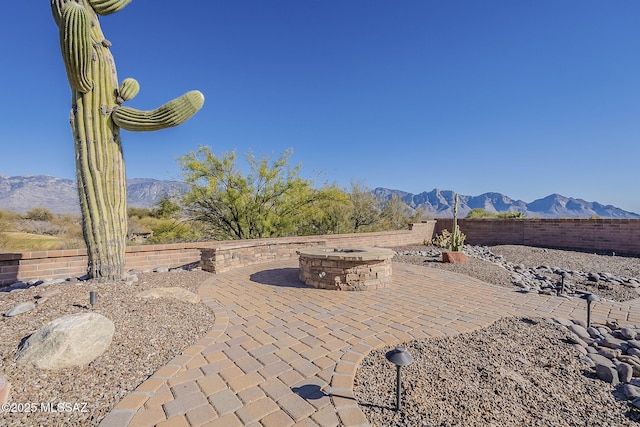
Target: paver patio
[{"x": 284, "y": 354}]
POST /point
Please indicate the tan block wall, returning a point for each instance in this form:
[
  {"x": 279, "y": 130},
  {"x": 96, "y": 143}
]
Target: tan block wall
[
  {"x": 621, "y": 236},
  {"x": 45, "y": 265},
  {"x": 599, "y": 235},
  {"x": 228, "y": 257}
]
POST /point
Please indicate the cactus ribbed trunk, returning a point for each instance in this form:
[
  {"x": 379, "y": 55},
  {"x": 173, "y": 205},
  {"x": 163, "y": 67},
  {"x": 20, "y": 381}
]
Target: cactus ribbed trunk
[
  {"x": 100, "y": 169},
  {"x": 96, "y": 120}
]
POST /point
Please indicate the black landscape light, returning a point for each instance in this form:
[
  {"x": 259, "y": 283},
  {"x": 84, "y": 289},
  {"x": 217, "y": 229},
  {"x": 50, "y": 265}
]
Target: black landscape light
[
  {"x": 590, "y": 298},
  {"x": 93, "y": 298},
  {"x": 399, "y": 357},
  {"x": 562, "y": 276}
]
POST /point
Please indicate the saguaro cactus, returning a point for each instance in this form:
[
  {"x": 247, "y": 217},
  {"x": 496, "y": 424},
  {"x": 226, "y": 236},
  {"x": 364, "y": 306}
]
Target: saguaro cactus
[
  {"x": 457, "y": 238},
  {"x": 96, "y": 119}
]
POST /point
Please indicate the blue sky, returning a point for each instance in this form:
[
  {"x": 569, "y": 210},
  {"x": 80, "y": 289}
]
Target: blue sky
[{"x": 526, "y": 98}]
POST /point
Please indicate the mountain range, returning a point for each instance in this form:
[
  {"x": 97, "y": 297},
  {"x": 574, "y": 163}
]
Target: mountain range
[
  {"x": 439, "y": 203},
  {"x": 21, "y": 193}
]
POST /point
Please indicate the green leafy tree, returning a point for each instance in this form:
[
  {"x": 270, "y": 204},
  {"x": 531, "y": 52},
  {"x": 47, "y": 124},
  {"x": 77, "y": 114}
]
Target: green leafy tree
[
  {"x": 166, "y": 207},
  {"x": 165, "y": 221},
  {"x": 271, "y": 200},
  {"x": 329, "y": 215},
  {"x": 366, "y": 213},
  {"x": 396, "y": 215}
]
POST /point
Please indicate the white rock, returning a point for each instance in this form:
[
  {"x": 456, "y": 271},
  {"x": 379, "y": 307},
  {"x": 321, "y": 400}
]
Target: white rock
[
  {"x": 175, "y": 292},
  {"x": 24, "y": 307},
  {"x": 72, "y": 340}
]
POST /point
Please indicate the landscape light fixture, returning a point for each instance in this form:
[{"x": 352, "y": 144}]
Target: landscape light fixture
[
  {"x": 399, "y": 357},
  {"x": 590, "y": 298},
  {"x": 562, "y": 276},
  {"x": 93, "y": 298}
]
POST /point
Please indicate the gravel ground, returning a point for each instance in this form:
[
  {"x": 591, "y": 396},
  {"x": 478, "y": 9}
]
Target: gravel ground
[
  {"x": 517, "y": 372},
  {"x": 485, "y": 389},
  {"x": 618, "y": 266},
  {"x": 148, "y": 334}
]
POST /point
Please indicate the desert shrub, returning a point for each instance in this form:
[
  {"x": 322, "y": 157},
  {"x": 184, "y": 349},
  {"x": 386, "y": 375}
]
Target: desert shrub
[
  {"x": 73, "y": 226},
  {"x": 167, "y": 230},
  {"x": 46, "y": 228},
  {"x": 139, "y": 212},
  {"x": 39, "y": 229},
  {"x": 510, "y": 214},
  {"x": 40, "y": 214},
  {"x": 483, "y": 213},
  {"x": 480, "y": 213}
]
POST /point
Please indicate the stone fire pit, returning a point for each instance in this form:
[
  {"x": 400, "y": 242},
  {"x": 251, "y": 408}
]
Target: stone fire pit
[{"x": 346, "y": 269}]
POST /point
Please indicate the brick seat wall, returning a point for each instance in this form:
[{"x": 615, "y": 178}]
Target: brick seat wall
[{"x": 44, "y": 265}]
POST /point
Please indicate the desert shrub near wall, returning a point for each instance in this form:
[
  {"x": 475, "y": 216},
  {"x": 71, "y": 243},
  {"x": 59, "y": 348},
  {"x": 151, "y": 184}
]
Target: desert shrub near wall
[
  {"x": 39, "y": 229},
  {"x": 483, "y": 213},
  {"x": 40, "y": 214},
  {"x": 46, "y": 228}
]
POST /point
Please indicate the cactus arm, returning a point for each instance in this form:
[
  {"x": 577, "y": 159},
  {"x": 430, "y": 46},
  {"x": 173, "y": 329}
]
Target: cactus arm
[
  {"x": 171, "y": 114},
  {"x": 128, "y": 90},
  {"x": 57, "y": 7},
  {"x": 106, "y": 7},
  {"x": 76, "y": 46}
]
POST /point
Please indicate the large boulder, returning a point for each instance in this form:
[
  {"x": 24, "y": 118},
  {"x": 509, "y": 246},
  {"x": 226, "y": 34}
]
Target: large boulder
[
  {"x": 5, "y": 386},
  {"x": 73, "y": 340}
]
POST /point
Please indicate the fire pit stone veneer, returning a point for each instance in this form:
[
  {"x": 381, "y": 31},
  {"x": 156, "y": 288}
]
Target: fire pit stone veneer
[{"x": 346, "y": 269}]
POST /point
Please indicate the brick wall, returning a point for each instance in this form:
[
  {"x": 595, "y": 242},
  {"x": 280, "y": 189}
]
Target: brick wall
[
  {"x": 621, "y": 236},
  {"x": 44, "y": 265},
  {"x": 227, "y": 257},
  {"x": 599, "y": 235}
]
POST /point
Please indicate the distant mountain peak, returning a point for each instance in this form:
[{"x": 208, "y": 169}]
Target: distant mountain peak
[
  {"x": 439, "y": 203},
  {"x": 22, "y": 193}
]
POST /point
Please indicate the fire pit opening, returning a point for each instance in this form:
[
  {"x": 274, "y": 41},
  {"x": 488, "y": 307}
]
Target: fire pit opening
[{"x": 346, "y": 269}]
